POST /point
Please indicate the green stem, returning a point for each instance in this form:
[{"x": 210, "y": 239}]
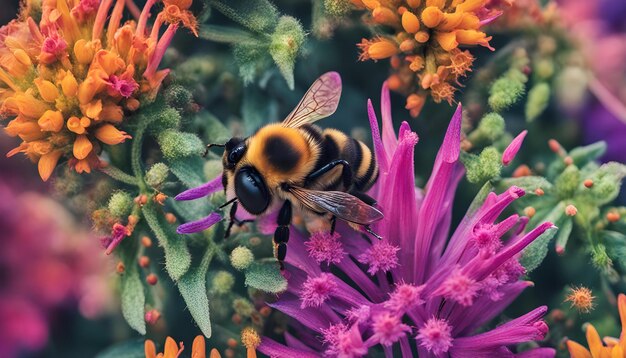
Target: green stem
[
  {"x": 119, "y": 175},
  {"x": 135, "y": 154}
]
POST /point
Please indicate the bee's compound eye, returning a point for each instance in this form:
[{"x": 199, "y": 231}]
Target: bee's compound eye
[
  {"x": 236, "y": 153},
  {"x": 251, "y": 191}
]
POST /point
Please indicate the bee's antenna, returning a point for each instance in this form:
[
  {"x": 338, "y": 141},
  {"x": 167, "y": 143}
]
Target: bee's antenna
[
  {"x": 209, "y": 146},
  {"x": 228, "y": 203}
]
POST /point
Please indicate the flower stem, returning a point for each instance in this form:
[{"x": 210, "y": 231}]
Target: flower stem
[{"x": 119, "y": 175}]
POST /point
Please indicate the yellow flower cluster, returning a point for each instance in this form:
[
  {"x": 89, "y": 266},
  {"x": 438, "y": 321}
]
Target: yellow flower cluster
[
  {"x": 67, "y": 83},
  {"x": 424, "y": 50}
]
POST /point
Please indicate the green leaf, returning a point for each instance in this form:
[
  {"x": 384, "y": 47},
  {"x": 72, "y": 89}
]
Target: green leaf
[
  {"x": 189, "y": 171},
  {"x": 565, "y": 229},
  {"x": 258, "y": 15},
  {"x": 215, "y": 130},
  {"x": 616, "y": 243},
  {"x": 226, "y": 34},
  {"x": 255, "y": 110},
  {"x": 528, "y": 183},
  {"x": 266, "y": 277},
  {"x": 133, "y": 298},
  {"x": 582, "y": 155},
  {"x": 535, "y": 253},
  {"x": 127, "y": 349},
  {"x": 192, "y": 287},
  {"x": 177, "y": 257}
]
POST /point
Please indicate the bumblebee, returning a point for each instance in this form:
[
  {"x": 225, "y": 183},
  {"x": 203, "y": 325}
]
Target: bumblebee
[{"x": 300, "y": 166}]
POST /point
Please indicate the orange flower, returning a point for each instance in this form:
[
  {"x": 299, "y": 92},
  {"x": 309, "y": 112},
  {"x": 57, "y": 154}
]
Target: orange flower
[
  {"x": 68, "y": 90},
  {"x": 427, "y": 36},
  {"x": 172, "y": 350},
  {"x": 615, "y": 348}
]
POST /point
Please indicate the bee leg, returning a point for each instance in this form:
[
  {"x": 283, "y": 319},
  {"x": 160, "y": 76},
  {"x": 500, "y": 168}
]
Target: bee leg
[
  {"x": 234, "y": 220},
  {"x": 371, "y": 232},
  {"x": 281, "y": 235},
  {"x": 333, "y": 222},
  {"x": 346, "y": 173}
]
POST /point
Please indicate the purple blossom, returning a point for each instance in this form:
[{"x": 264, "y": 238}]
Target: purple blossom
[{"x": 426, "y": 287}]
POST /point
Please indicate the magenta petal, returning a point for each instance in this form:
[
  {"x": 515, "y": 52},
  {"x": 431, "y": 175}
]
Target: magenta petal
[
  {"x": 513, "y": 148},
  {"x": 528, "y": 327},
  {"x": 272, "y": 348},
  {"x": 381, "y": 155},
  {"x": 451, "y": 147},
  {"x": 389, "y": 135},
  {"x": 199, "y": 225},
  {"x": 202, "y": 191}
]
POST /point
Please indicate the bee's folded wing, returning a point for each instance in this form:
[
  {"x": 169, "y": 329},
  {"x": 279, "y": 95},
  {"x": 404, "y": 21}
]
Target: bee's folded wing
[{"x": 343, "y": 205}]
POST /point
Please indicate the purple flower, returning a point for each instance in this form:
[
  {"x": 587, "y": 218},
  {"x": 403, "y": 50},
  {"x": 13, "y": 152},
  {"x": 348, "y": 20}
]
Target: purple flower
[{"x": 420, "y": 289}]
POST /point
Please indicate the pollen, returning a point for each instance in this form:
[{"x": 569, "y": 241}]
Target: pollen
[
  {"x": 435, "y": 336},
  {"x": 459, "y": 288},
  {"x": 580, "y": 298},
  {"x": 382, "y": 256},
  {"x": 324, "y": 247},
  {"x": 404, "y": 297},
  {"x": 250, "y": 338},
  {"x": 316, "y": 290},
  {"x": 388, "y": 328}
]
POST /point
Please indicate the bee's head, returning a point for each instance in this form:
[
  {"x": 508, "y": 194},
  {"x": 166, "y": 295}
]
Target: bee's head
[{"x": 234, "y": 150}]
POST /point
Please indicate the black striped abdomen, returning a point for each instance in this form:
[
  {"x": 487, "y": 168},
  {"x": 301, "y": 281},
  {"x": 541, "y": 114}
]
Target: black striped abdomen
[{"x": 337, "y": 145}]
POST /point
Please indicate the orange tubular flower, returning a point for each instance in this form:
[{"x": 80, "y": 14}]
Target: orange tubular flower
[
  {"x": 615, "y": 348},
  {"x": 425, "y": 55},
  {"x": 67, "y": 83},
  {"x": 172, "y": 350}
]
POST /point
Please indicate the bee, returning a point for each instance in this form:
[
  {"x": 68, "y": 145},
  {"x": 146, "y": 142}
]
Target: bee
[{"x": 297, "y": 165}]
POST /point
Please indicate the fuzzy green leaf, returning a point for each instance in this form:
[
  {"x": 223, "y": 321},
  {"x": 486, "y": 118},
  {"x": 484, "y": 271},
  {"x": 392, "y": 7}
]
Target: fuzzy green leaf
[
  {"x": 528, "y": 183},
  {"x": 266, "y": 277},
  {"x": 258, "y": 15},
  {"x": 538, "y": 100},
  {"x": 535, "y": 253},
  {"x": 177, "y": 257},
  {"x": 582, "y": 155},
  {"x": 226, "y": 34},
  {"x": 192, "y": 287},
  {"x": 215, "y": 130},
  {"x": 251, "y": 59},
  {"x": 133, "y": 298},
  {"x": 127, "y": 349},
  {"x": 189, "y": 171}
]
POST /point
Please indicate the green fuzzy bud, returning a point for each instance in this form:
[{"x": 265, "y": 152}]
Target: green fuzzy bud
[
  {"x": 484, "y": 167},
  {"x": 120, "y": 204},
  {"x": 223, "y": 282},
  {"x": 544, "y": 69},
  {"x": 286, "y": 43},
  {"x": 491, "y": 126},
  {"x": 178, "y": 97},
  {"x": 241, "y": 258},
  {"x": 505, "y": 92},
  {"x": 600, "y": 258},
  {"x": 175, "y": 144},
  {"x": 567, "y": 182},
  {"x": 157, "y": 174},
  {"x": 243, "y": 307},
  {"x": 337, "y": 8},
  {"x": 168, "y": 118},
  {"x": 538, "y": 99}
]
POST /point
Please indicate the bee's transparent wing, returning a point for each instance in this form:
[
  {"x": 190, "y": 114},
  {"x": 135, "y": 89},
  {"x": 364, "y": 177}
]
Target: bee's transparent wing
[
  {"x": 320, "y": 101},
  {"x": 343, "y": 205}
]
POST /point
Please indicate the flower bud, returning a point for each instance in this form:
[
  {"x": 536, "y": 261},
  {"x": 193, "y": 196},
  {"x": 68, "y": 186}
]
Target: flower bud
[
  {"x": 286, "y": 43},
  {"x": 157, "y": 174},
  {"x": 538, "y": 99},
  {"x": 51, "y": 121},
  {"x": 410, "y": 22},
  {"x": 241, "y": 257},
  {"x": 47, "y": 90},
  {"x": 223, "y": 282},
  {"x": 175, "y": 144},
  {"x": 120, "y": 204},
  {"x": 108, "y": 134}
]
